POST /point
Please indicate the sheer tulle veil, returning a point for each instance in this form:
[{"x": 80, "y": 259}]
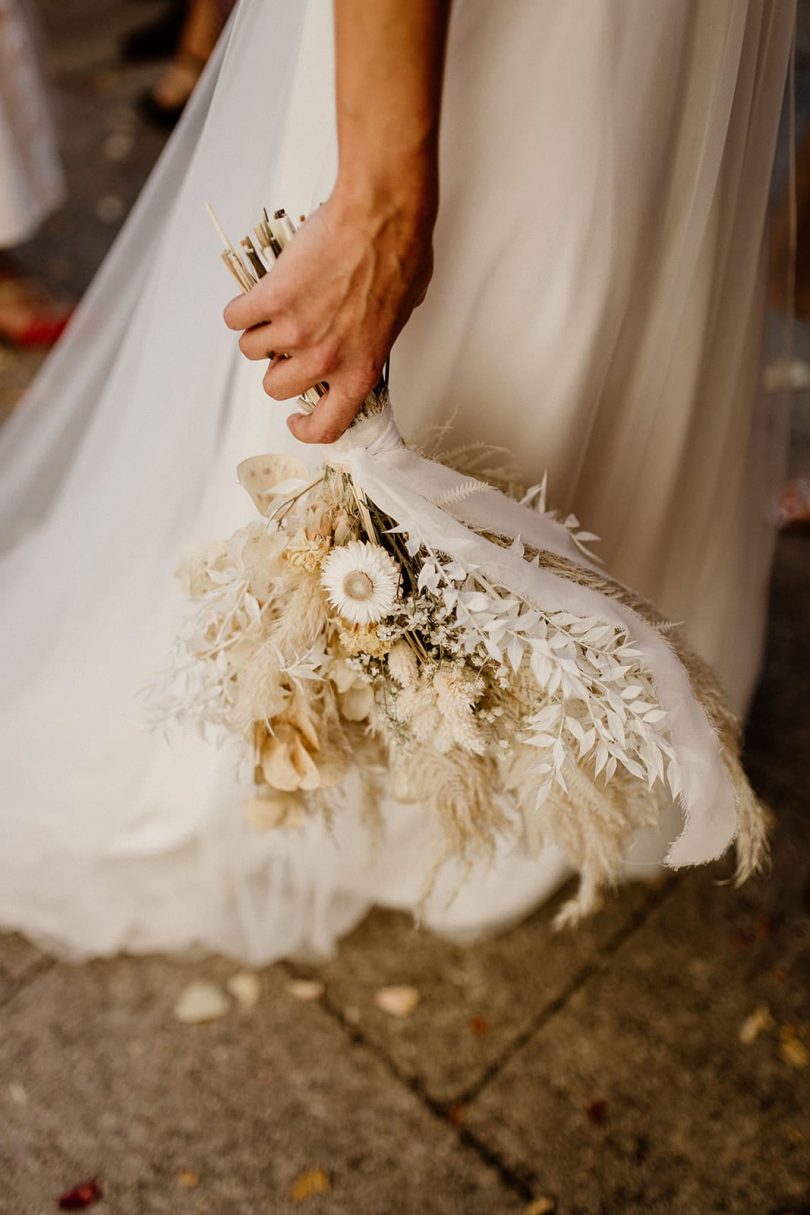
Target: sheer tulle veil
[{"x": 620, "y": 156}]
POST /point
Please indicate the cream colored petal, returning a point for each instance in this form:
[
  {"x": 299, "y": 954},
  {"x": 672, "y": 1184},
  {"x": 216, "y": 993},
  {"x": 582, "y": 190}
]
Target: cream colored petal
[
  {"x": 357, "y": 702},
  {"x": 300, "y": 717},
  {"x": 305, "y": 766},
  {"x": 278, "y": 767},
  {"x": 260, "y": 475},
  {"x": 342, "y": 675}
]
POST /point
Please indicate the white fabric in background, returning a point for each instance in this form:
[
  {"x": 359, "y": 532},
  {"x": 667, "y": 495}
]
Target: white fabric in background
[
  {"x": 31, "y": 180},
  {"x": 596, "y": 307}
]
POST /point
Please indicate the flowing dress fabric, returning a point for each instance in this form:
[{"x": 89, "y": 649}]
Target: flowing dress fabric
[
  {"x": 596, "y": 307},
  {"x": 31, "y": 180}
]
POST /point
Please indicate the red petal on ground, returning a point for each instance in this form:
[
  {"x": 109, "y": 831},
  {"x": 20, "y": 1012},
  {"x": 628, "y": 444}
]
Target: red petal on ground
[
  {"x": 596, "y": 1111},
  {"x": 81, "y": 1196}
]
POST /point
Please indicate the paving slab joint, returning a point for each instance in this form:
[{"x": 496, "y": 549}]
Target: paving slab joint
[
  {"x": 578, "y": 980},
  {"x": 442, "y": 1111},
  {"x": 18, "y": 983}
]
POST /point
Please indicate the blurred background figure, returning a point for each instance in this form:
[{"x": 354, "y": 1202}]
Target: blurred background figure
[
  {"x": 185, "y": 33},
  {"x": 790, "y": 276},
  {"x": 31, "y": 181}
]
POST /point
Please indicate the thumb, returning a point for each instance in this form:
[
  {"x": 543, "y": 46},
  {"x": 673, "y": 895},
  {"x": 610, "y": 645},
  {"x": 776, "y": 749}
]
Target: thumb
[{"x": 333, "y": 415}]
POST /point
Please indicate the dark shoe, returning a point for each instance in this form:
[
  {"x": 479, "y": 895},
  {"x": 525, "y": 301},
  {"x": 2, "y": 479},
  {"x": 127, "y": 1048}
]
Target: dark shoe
[{"x": 159, "y": 39}]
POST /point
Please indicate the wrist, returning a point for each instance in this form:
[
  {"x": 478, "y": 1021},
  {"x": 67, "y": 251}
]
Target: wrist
[{"x": 405, "y": 191}]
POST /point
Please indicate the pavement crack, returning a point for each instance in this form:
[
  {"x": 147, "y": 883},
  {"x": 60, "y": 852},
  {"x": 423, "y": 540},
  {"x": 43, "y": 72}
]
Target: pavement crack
[
  {"x": 449, "y": 1113},
  {"x": 442, "y": 1111},
  {"x": 578, "y": 980},
  {"x": 19, "y": 983}
]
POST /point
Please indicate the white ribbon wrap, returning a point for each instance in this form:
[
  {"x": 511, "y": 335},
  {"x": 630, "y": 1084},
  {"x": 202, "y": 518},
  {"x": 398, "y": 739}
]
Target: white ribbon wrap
[{"x": 406, "y": 486}]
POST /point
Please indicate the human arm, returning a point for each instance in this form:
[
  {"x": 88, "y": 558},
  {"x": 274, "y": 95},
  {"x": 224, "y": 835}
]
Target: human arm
[{"x": 346, "y": 284}]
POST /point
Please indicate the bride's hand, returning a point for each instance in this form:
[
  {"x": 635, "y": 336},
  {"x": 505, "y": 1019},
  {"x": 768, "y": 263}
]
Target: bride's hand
[{"x": 335, "y": 301}]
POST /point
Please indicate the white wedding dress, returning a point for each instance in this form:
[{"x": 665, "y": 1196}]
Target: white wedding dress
[{"x": 596, "y": 307}]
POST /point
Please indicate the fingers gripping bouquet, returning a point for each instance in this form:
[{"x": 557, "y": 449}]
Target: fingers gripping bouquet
[{"x": 391, "y": 622}]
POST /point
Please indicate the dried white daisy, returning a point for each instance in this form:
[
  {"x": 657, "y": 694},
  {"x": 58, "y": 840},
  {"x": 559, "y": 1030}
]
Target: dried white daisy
[{"x": 361, "y": 581}]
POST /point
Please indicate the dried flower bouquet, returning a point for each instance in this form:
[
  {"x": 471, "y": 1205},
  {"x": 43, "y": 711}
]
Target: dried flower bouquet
[{"x": 390, "y": 623}]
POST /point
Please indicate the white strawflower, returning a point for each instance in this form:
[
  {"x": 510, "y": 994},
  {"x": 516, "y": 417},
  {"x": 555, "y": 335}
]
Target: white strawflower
[{"x": 361, "y": 581}]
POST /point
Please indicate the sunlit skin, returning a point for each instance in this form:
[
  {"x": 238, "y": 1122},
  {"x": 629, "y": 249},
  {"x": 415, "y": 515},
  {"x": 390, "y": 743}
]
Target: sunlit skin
[{"x": 346, "y": 284}]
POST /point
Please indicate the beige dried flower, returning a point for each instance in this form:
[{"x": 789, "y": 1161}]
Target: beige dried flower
[
  {"x": 439, "y": 709},
  {"x": 455, "y": 690},
  {"x": 306, "y": 552},
  {"x": 318, "y": 522},
  {"x": 292, "y": 754},
  {"x": 256, "y": 551},
  {"x": 194, "y": 573},
  {"x": 345, "y": 528},
  {"x": 402, "y": 665},
  {"x": 363, "y": 640}
]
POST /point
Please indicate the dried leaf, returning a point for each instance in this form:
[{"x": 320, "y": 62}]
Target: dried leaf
[
  {"x": 245, "y": 988},
  {"x": 791, "y": 1048},
  {"x": 315, "y": 1181},
  {"x": 201, "y": 1001},
  {"x": 596, "y": 1111},
  {"x": 188, "y": 1179},
  {"x": 455, "y": 1114},
  {"x": 541, "y": 1206},
  {"x": 754, "y": 1024},
  {"x": 479, "y": 1025},
  {"x": 81, "y": 1196},
  {"x": 399, "y": 1001},
  {"x": 306, "y": 989}
]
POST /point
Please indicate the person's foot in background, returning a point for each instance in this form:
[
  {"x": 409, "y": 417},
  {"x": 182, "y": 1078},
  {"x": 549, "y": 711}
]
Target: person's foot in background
[
  {"x": 29, "y": 314},
  {"x": 202, "y": 26}
]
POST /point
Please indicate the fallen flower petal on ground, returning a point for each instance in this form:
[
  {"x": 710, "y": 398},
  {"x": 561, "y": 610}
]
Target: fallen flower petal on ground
[
  {"x": 245, "y": 988},
  {"x": 201, "y": 1001},
  {"x": 541, "y": 1206},
  {"x": 81, "y": 1196},
  {"x": 398, "y": 1001},
  {"x": 306, "y": 989},
  {"x": 791, "y": 1048},
  {"x": 596, "y": 1111},
  {"x": 306, "y": 1185},
  {"x": 755, "y": 1023}
]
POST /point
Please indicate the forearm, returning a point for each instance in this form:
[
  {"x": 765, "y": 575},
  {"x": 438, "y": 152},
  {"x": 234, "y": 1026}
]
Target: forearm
[
  {"x": 389, "y": 68},
  {"x": 346, "y": 284}
]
